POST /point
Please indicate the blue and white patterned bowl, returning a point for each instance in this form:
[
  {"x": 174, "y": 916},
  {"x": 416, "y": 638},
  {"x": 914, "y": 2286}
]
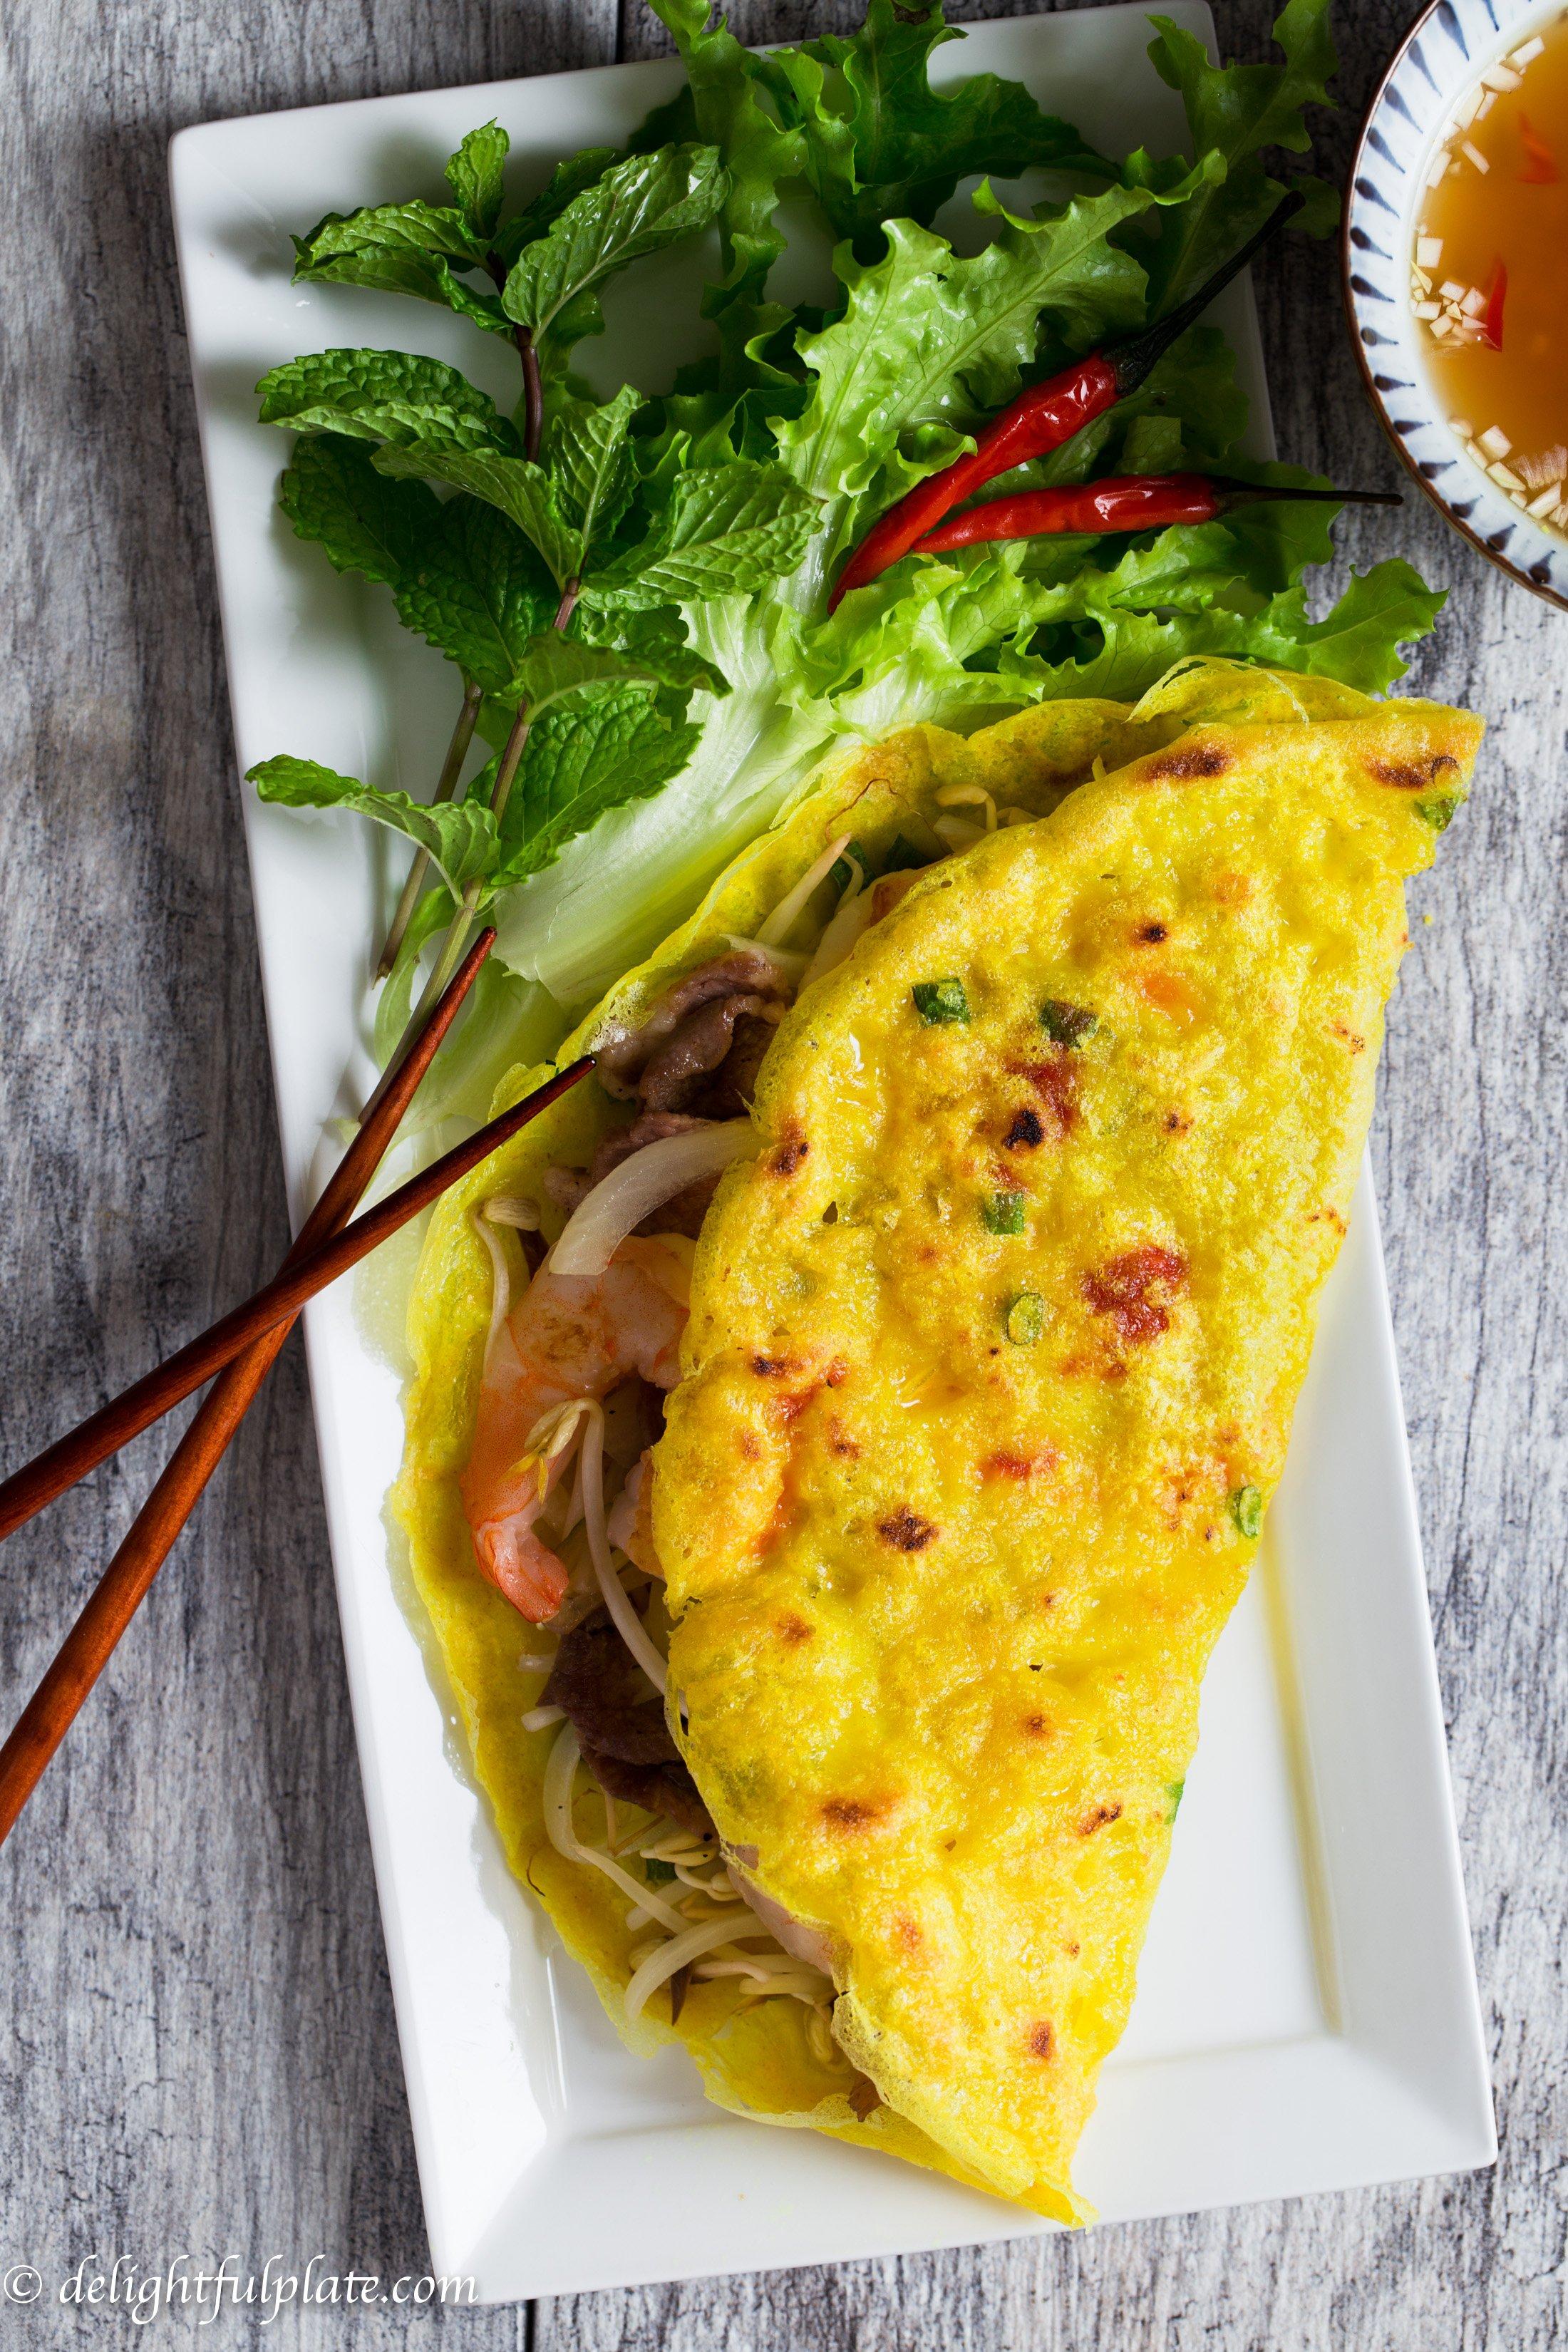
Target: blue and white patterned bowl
[{"x": 1443, "y": 57}]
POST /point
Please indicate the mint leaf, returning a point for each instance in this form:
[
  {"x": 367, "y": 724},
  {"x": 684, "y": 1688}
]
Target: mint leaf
[
  {"x": 638, "y": 206},
  {"x": 565, "y": 182},
  {"x": 332, "y": 493},
  {"x": 411, "y": 248},
  {"x": 398, "y": 397},
  {"x": 460, "y": 835},
  {"x": 520, "y": 489},
  {"x": 583, "y": 758},
  {"x": 1238, "y": 112},
  {"x": 478, "y": 590},
  {"x": 474, "y": 176},
  {"x": 471, "y": 302},
  {"x": 384, "y": 270},
  {"x": 727, "y": 530},
  {"x": 589, "y": 461},
  {"x": 401, "y": 232},
  {"x": 553, "y": 665},
  {"x": 881, "y": 143}
]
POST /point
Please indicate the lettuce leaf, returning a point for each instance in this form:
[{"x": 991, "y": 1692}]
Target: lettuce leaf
[
  {"x": 1238, "y": 113},
  {"x": 759, "y": 156},
  {"x": 880, "y": 144}
]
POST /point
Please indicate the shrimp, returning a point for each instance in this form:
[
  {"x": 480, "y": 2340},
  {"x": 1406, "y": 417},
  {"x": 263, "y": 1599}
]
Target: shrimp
[
  {"x": 567, "y": 1339},
  {"x": 629, "y": 1528}
]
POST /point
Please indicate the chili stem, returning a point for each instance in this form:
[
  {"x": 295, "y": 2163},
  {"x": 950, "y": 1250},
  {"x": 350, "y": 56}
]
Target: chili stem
[{"x": 452, "y": 768}]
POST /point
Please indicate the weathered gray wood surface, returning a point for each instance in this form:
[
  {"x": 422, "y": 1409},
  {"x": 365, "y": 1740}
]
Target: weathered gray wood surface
[{"x": 199, "y": 2051}]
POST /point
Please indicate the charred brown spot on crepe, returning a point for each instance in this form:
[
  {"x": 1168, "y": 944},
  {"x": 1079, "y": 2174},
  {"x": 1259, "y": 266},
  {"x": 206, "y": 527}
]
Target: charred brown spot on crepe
[
  {"x": 1187, "y": 762},
  {"x": 906, "y": 1531},
  {"x": 1413, "y": 775}
]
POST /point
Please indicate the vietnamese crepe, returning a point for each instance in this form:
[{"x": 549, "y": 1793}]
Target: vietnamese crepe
[{"x": 988, "y": 1378}]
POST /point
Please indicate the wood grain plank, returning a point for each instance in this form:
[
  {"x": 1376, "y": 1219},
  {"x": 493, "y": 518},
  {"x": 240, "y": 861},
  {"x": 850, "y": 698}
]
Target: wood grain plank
[{"x": 201, "y": 2053}]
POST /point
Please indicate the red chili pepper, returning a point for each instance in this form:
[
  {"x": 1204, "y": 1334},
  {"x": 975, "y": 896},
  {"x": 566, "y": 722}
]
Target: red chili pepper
[
  {"x": 1492, "y": 317},
  {"x": 1039, "y": 421},
  {"x": 1120, "y": 502},
  {"x": 1540, "y": 163},
  {"x": 1046, "y": 416}
]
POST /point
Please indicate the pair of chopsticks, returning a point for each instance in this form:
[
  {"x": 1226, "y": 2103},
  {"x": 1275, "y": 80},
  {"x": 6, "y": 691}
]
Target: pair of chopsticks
[{"x": 241, "y": 1349}]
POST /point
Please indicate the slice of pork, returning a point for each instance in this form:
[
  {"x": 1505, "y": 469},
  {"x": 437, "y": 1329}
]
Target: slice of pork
[{"x": 802, "y": 1942}]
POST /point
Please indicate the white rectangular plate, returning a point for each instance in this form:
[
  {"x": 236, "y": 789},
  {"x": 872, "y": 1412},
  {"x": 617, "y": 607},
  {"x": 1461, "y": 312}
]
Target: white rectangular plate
[{"x": 1307, "y": 2015}]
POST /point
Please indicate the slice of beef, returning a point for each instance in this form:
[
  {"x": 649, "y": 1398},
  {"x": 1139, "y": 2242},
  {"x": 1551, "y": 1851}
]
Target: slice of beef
[
  {"x": 666, "y": 1789},
  {"x": 731, "y": 1089},
  {"x": 625, "y": 1739},
  {"x": 681, "y": 1074},
  {"x": 663, "y": 1060}
]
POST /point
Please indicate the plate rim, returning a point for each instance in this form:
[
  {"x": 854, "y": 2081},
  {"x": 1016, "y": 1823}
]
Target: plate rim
[
  {"x": 453, "y": 2248},
  {"x": 1364, "y": 336}
]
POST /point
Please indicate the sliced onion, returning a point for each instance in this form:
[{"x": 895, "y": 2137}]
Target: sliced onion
[
  {"x": 660, "y": 1966},
  {"x": 782, "y": 921},
  {"x": 788, "y": 963},
  {"x": 643, "y": 1183}
]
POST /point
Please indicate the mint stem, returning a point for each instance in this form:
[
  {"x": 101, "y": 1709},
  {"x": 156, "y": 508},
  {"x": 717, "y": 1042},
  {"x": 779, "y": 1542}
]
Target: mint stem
[
  {"x": 462, "y": 923},
  {"x": 452, "y": 768},
  {"x": 532, "y": 395},
  {"x": 532, "y": 383}
]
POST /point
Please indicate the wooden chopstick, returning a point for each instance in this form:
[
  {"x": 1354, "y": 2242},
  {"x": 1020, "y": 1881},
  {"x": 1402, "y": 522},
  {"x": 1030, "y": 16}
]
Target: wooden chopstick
[
  {"x": 119, "y": 1592},
  {"x": 103, "y": 1433},
  {"x": 306, "y": 1270}
]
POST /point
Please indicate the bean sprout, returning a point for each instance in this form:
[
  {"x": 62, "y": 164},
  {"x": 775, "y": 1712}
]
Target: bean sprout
[
  {"x": 782, "y": 921},
  {"x": 559, "y": 1775},
  {"x": 662, "y": 1964},
  {"x": 522, "y": 1215}
]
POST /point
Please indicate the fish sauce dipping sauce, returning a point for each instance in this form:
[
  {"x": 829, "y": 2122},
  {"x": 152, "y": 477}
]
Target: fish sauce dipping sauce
[{"x": 1488, "y": 272}]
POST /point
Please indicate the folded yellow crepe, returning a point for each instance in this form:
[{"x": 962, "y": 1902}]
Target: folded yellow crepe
[{"x": 988, "y": 1378}]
